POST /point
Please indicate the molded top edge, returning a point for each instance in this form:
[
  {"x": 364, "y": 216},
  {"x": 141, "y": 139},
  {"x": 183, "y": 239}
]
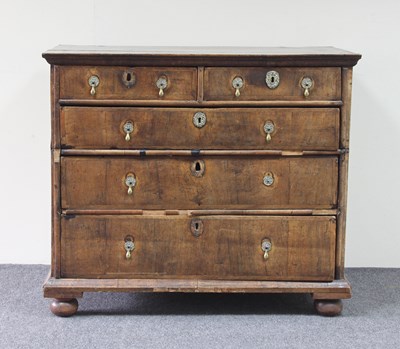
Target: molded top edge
[{"x": 201, "y": 55}]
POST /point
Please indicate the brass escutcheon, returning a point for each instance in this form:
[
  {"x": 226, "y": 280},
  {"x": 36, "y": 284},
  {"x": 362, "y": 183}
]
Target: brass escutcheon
[
  {"x": 307, "y": 84},
  {"x": 128, "y": 129},
  {"x": 199, "y": 119},
  {"x": 129, "y": 78},
  {"x": 130, "y": 182},
  {"x": 129, "y": 246},
  {"x": 197, "y": 168},
  {"x": 196, "y": 227},
  {"x": 266, "y": 246},
  {"x": 268, "y": 179},
  {"x": 162, "y": 84},
  {"x": 237, "y": 84},
  {"x": 269, "y": 128},
  {"x": 272, "y": 79},
  {"x": 93, "y": 81}
]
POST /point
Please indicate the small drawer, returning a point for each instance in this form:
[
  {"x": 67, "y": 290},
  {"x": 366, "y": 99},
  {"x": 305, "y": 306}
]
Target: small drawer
[
  {"x": 205, "y": 128},
  {"x": 124, "y": 83},
  {"x": 211, "y": 247},
  {"x": 272, "y": 84},
  {"x": 207, "y": 182}
]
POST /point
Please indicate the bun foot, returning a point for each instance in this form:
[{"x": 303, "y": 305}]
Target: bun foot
[
  {"x": 64, "y": 307},
  {"x": 331, "y": 307}
]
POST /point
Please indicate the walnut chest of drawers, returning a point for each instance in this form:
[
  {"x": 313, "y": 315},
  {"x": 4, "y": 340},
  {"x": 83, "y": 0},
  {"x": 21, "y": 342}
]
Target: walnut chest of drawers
[{"x": 199, "y": 170}]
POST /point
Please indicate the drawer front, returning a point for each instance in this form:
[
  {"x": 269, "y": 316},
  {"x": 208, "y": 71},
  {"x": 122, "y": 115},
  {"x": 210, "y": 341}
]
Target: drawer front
[
  {"x": 205, "y": 182},
  {"x": 302, "y": 248},
  {"x": 189, "y": 128},
  {"x": 142, "y": 83},
  {"x": 325, "y": 84}
]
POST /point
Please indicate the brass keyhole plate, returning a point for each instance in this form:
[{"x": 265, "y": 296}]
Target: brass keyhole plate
[
  {"x": 196, "y": 227},
  {"x": 197, "y": 168},
  {"x": 272, "y": 79},
  {"x": 129, "y": 78},
  {"x": 199, "y": 119}
]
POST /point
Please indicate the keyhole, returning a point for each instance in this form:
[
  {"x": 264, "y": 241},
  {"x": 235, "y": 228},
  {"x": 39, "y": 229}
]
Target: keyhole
[
  {"x": 199, "y": 120},
  {"x": 128, "y": 77},
  {"x": 198, "y": 167},
  {"x": 196, "y": 225},
  {"x": 272, "y": 79}
]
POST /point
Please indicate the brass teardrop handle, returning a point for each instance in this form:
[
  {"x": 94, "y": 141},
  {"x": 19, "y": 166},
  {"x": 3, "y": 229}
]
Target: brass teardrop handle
[
  {"x": 128, "y": 129},
  {"x": 162, "y": 84},
  {"x": 93, "y": 81},
  {"x": 307, "y": 83},
  {"x": 269, "y": 128},
  {"x": 130, "y": 182},
  {"x": 266, "y": 246},
  {"x": 237, "y": 84},
  {"x": 129, "y": 246}
]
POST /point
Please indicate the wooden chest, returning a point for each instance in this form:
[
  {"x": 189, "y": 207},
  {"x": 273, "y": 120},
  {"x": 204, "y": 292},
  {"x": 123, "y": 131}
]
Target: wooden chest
[{"x": 199, "y": 170}]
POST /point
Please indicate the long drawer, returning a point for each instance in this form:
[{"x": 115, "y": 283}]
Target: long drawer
[
  {"x": 260, "y": 84},
  {"x": 207, "y": 182},
  {"x": 126, "y": 83},
  {"x": 189, "y": 128},
  {"x": 229, "y": 247}
]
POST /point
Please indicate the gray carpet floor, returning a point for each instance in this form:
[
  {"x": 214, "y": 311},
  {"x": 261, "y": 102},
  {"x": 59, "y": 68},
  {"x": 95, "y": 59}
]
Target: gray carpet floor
[{"x": 371, "y": 319}]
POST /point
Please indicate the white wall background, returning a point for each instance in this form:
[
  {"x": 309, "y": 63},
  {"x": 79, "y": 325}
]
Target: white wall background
[{"x": 27, "y": 28}]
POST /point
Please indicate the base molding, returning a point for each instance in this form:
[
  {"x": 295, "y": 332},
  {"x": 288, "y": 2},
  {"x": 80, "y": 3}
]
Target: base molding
[
  {"x": 326, "y": 295},
  {"x": 74, "y": 288}
]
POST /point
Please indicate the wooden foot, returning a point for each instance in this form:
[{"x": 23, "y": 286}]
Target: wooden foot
[
  {"x": 64, "y": 306},
  {"x": 328, "y": 307}
]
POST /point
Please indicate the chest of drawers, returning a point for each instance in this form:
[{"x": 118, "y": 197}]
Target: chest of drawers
[{"x": 199, "y": 170}]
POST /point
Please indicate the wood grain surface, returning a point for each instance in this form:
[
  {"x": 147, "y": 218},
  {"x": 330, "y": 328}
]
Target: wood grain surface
[
  {"x": 218, "y": 84},
  {"x": 229, "y": 247},
  {"x": 182, "y": 83},
  {"x": 225, "y": 128},
  {"x": 227, "y": 182}
]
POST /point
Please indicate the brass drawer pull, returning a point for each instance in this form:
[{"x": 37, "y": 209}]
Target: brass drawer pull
[
  {"x": 307, "y": 84},
  {"x": 237, "y": 84},
  {"x": 162, "y": 84},
  {"x": 128, "y": 129},
  {"x": 94, "y": 81},
  {"x": 269, "y": 128},
  {"x": 130, "y": 182},
  {"x": 129, "y": 246},
  {"x": 266, "y": 246}
]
